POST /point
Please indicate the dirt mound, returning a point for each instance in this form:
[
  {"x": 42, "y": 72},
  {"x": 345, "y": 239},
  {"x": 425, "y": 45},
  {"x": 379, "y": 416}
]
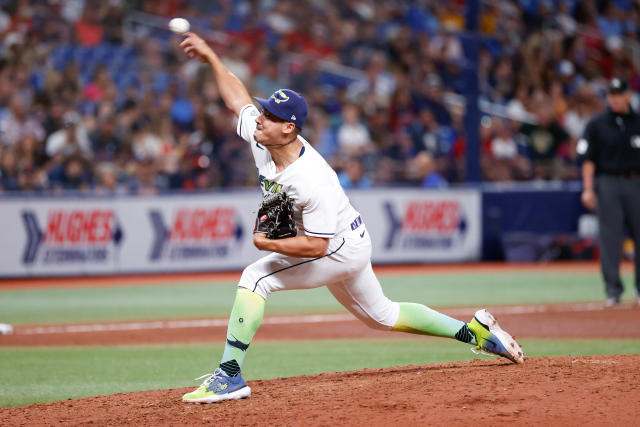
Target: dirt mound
[{"x": 544, "y": 391}]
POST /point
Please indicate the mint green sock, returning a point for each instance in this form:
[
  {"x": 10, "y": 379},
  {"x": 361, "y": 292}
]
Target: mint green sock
[
  {"x": 244, "y": 321},
  {"x": 420, "y": 319}
]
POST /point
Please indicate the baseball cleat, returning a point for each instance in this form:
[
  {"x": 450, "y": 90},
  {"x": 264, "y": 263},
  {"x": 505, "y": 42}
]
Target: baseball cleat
[
  {"x": 493, "y": 339},
  {"x": 218, "y": 386},
  {"x": 612, "y": 302}
]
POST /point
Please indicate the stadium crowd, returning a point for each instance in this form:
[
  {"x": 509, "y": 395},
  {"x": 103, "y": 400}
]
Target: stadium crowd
[{"x": 97, "y": 96}]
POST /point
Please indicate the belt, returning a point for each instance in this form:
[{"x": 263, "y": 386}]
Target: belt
[{"x": 628, "y": 174}]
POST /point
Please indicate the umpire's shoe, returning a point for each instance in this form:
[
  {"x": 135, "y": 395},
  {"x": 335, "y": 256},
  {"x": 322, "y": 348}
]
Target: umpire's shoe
[
  {"x": 218, "y": 386},
  {"x": 493, "y": 339}
]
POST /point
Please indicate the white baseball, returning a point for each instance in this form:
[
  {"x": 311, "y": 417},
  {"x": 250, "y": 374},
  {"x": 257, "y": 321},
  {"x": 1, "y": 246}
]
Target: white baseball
[{"x": 179, "y": 25}]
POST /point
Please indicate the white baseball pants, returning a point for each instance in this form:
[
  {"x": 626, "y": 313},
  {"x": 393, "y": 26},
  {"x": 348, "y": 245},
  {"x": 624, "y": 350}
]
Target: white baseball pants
[{"x": 346, "y": 271}]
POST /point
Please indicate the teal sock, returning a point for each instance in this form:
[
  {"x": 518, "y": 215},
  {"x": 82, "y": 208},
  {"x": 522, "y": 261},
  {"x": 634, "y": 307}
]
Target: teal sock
[
  {"x": 244, "y": 321},
  {"x": 420, "y": 319}
]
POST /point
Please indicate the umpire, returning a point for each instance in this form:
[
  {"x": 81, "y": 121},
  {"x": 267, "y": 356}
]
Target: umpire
[{"x": 610, "y": 155}]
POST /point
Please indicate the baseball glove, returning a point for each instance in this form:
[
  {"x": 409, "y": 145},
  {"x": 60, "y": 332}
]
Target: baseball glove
[{"x": 275, "y": 217}]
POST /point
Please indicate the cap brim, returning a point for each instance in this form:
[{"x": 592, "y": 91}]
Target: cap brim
[{"x": 264, "y": 103}]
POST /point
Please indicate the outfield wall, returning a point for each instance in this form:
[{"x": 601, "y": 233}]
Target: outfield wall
[{"x": 44, "y": 236}]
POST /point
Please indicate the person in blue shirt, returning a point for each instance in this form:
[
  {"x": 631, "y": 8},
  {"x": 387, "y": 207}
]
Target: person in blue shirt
[{"x": 425, "y": 167}]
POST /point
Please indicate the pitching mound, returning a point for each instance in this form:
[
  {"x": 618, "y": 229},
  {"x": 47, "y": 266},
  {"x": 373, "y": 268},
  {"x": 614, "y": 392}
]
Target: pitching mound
[{"x": 544, "y": 391}]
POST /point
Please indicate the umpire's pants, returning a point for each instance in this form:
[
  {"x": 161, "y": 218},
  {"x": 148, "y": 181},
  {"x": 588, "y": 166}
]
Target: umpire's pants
[{"x": 618, "y": 205}]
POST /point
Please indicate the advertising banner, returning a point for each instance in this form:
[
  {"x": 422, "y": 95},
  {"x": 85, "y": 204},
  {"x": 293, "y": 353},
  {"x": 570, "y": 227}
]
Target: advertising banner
[
  {"x": 421, "y": 226},
  {"x": 206, "y": 232},
  {"x": 76, "y": 236}
]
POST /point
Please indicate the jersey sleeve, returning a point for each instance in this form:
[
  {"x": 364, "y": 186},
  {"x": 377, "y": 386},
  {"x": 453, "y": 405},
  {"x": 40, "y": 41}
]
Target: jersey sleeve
[
  {"x": 246, "y": 127},
  {"x": 247, "y": 122},
  {"x": 586, "y": 146},
  {"x": 319, "y": 215}
]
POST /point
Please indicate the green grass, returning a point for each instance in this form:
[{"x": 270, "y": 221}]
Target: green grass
[
  {"x": 189, "y": 299},
  {"x": 30, "y": 375},
  {"x": 43, "y": 374}
]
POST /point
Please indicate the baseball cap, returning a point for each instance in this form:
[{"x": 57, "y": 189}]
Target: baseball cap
[
  {"x": 617, "y": 85},
  {"x": 287, "y": 105},
  {"x": 70, "y": 118}
]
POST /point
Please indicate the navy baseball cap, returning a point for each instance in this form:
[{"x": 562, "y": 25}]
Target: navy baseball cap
[
  {"x": 617, "y": 85},
  {"x": 287, "y": 105}
]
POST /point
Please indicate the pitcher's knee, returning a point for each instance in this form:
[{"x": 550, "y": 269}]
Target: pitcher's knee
[
  {"x": 376, "y": 324},
  {"x": 250, "y": 280},
  {"x": 384, "y": 317}
]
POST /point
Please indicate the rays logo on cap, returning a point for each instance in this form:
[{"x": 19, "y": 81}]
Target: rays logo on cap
[
  {"x": 279, "y": 96},
  {"x": 287, "y": 105}
]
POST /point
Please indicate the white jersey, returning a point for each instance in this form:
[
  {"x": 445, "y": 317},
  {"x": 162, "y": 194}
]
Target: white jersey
[{"x": 321, "y": 208}]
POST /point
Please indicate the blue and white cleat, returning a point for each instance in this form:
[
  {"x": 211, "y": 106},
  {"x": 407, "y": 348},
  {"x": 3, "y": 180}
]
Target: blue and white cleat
[
  {"x": 218, "y": 386},
  {"x": 493, "y": 339}
]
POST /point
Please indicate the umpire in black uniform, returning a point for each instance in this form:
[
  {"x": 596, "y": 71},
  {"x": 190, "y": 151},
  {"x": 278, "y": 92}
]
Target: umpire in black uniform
[{"x": 610, "y": 155}]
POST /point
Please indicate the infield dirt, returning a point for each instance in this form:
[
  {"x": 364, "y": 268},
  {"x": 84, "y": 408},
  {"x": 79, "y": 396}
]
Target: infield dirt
[{"x": 596, "y": 390}]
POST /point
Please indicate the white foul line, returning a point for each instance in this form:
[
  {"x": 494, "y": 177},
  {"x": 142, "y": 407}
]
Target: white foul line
[
  {"x": 280, "y": 320},
  {"x": 530, "y": 309},
  {"x": 176, "y": 324}
]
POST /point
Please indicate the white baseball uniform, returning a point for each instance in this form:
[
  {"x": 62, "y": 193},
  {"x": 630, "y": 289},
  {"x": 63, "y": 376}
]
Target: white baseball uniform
[{"x": 321, "y": 209}]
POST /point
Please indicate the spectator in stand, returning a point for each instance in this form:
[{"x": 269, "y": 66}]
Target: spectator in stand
[
  {"x": 583, "y": 106},
  {"x": 427, "y": 134},
  {"x": 406, "y": 57},
  {"x": 424, "y": 168},
  {"x": 268, "y": 80},
  {"x": 71, "y": 139},
  {"x": 112, "y": 20},
  {"x": 353, "y": 134},
  {"x": 322, "y": 136},
  {"x": 305, "y": 76},
  {"x": 353, "y": 175},
  {"x": 544, "y": 140},
  {"x": 378, "y": 82},
  {"x": 431, "y": 97},
  {"x": 107, "y": 180},
  {"x": 98, "y": 87},
  {"x": 236, "y": 60},
  {"x": 19, "y": 122},
  {"x": 32, "y": 161},
  {"x": 609, "y": 22},
  {"x": 74, "y": 174},
  {"x": 401, "y": 150},
  {"x": 144, "y": 143},
  {"x": 385, "y": 172},
  {"x": 143, "y": 175},
  {"x": 504, "y": 163},
  {"x": 8, "y": 170},
  {"x": 107, "y": 140},
  {"x": 89, "y": 29}
]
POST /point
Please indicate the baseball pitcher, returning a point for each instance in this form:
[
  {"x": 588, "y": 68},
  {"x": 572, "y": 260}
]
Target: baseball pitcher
[{"x": 314, "y": 236}]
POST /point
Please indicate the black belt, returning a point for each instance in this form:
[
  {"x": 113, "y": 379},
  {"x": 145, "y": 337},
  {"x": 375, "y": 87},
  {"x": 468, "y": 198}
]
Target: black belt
[{"x": 634, "y": 173}]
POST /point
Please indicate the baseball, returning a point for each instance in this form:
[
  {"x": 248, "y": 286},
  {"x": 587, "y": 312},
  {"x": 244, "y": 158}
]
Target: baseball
[{"x": 179, "y": 25}]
